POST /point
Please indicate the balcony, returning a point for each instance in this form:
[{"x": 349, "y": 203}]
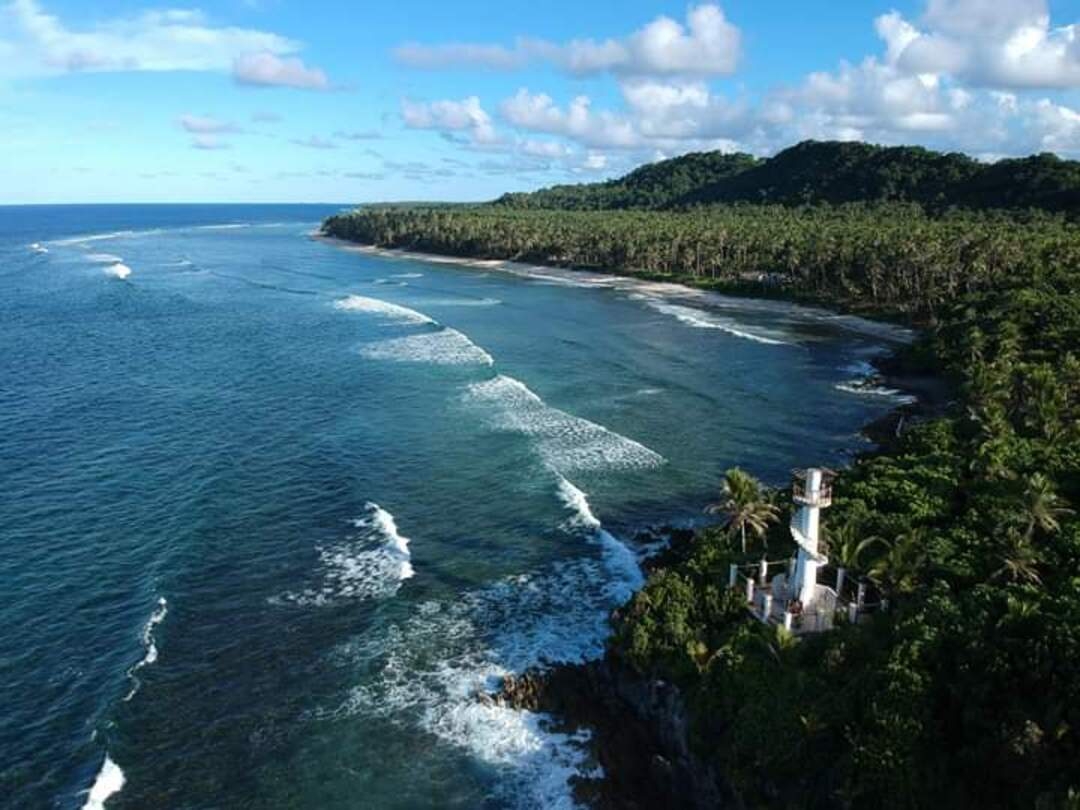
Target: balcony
[{"x": 820, "y": 498}]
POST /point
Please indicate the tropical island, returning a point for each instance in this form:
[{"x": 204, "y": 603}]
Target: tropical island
[{"x": 963, "y": 688}]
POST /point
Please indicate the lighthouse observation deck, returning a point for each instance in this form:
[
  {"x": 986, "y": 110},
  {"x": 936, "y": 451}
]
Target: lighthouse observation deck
[{"x": 804, "y": 496}]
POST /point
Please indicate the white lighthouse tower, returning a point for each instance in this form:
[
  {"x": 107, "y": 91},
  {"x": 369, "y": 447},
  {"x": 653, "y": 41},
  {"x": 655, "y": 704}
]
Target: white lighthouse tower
[{"x": 812, "y": 491}]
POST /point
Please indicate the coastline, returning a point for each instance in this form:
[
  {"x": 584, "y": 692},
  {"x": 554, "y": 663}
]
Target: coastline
[
  {"x": 888, "y": 331},
  {"x": 639, "y": 728}
]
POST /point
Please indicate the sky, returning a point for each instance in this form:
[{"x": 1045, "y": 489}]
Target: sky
[{"x": 334, "y": 101}]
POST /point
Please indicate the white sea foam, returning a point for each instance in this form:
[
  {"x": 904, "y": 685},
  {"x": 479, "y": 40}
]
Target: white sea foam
[
  {"x": 430, "y": 668},
  {"x": 103, "y": 258},
  {"x": 702, "y": 319},
  {"x": 407, "y": 275},
  {"x": 118, "y": 270},
  {"x": 461, "y": 302},
  {"x": 37, "y": 247},
  {"x": 372, "y": 562},
  {"x": 618, "y": 557},
  {"x": 110, "y": 780},
  {"x": 445, "y": 347},
  {"x": 565, "y": 442},
  {"x": 396, "y": 312},
  {"x": 865, "y": 388},
  {"x": 150, "y": 654},
  {"x": 102, "y": 237}
]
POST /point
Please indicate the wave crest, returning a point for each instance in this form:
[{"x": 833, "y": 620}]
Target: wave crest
[
  {"x": 375, "y": 306},
  {"x": 373, "y": 562},
  {"x": 564, "y": 442}
]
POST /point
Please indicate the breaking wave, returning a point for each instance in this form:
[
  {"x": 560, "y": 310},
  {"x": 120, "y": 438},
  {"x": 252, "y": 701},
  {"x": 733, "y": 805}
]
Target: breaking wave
[
  {"x": 435, "y": 668},
  {"x": 701, "y": 319},
  {"x": 564, "y": 442},
  {"x": 444, "y": 347},
  {"x": 360, "y": 303},
  {"x": 110, "y": 780},
  {"x": 149, "y": 645},
  {"x": 868, "y": 382},
  {"x": 37, "y": 247},
  {"x": 118, "y": 270},
  {"x": 373, "y": 562}
]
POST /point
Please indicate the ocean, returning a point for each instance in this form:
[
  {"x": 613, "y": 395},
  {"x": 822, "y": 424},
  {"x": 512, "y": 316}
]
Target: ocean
[{"x": 272, "y": 511}]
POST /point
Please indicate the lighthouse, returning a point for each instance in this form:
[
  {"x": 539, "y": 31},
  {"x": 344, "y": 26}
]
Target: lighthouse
[{"x": 812, "y": 492}]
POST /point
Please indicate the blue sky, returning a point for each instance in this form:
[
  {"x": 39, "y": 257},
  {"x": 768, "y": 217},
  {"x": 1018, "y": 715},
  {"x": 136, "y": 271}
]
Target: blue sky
[{"x": 278, "y": 100}]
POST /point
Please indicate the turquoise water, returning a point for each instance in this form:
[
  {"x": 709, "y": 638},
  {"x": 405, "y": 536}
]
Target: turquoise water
[{"x": 271, "y": 511}]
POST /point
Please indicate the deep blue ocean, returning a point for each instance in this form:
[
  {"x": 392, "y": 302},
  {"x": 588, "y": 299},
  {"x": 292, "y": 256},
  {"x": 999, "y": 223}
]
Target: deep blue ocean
[{"x": 271, "y": 511}]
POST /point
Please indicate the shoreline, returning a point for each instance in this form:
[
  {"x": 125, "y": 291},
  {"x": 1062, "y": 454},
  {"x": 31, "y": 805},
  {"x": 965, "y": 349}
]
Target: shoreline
[
  {"x": 639, "y": 728},
  {"x": 888, "y": 331}
]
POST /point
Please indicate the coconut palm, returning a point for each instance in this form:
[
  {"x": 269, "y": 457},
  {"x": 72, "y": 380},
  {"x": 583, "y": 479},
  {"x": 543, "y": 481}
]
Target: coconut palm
[
  {"x": 899, "y": 569},
  {"x": 1043, "y": 507},
  {"x": 746, "y": 505},
  {"x": 1019, "y": 562}
]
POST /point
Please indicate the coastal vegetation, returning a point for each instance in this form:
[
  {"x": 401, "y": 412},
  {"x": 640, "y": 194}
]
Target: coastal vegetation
[{"x": 966, "y": 691}]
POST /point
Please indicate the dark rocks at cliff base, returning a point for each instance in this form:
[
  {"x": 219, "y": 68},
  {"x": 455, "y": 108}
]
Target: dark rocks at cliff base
[{"x": 640, "y": 735}]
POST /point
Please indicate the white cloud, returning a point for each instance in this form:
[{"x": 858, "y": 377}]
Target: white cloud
[
  {"x": 205, "y": 125},
  {"x": 448, "y": 116},
  {"x": 1056, "y": 127},
  {"x": 266, "y": 69},
  {"x": 706, "y": 45},
  {"x": 208, "y": 142},
  {"x": 990, "y": 43},
  {"x": 34, "y": 42},
  {"x": 539, "y": 113}
]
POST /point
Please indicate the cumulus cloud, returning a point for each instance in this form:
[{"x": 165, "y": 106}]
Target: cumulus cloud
[
  {"x": 466, "y": 117},
  {"x": 539, "y": 113},
  {"x": 707, "y": 44},
  {"x": 990, "y": 43},
  {"x": 267, "y": 69},
  {"x": 34, "y": 42}
]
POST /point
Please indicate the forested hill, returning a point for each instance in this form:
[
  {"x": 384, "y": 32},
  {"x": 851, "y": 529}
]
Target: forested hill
[
  {"x": 827, "y": 172},
  {"x": 654, "y": 185}
]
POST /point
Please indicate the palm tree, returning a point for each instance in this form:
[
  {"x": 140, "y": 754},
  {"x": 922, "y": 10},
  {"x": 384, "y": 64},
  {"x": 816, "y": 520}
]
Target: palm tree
[
  {"x": 745, "y": 504},
  {"x": 899, "y": 569},
  {"x": 845, "y": 549},
  {"x": 1043, "y": 507},
  {"x": 1019, "y": 562}
]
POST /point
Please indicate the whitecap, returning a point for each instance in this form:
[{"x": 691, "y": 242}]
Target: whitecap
[
  {"x": 373, "y": 562},
  {"x": 110, "y": 780},
  {"x": 432, "y": 666},
  {"x": 375, "y": 306},
  {"x": 103, "y": 258},
  {"x": 118, "y": 270},
  {"x": 37, "y": 247},
  {"x": 620, "y": 559},
  {"x": 100, "y": 237},
  {"x": 150, "y": 654},
  {"x": 444, "y": 347},
  {"x": 701, "y": 319},
  {"x": 406, "y": 275},
  {"x": 868, "y": 388},
  {"x": 564, "y": 442}
]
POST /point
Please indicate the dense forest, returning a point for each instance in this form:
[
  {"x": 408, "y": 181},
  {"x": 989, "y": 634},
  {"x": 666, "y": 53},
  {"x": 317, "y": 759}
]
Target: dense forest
[
  {"x": 828, "y": 172},
  {"x": 966, "y": 691}
]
